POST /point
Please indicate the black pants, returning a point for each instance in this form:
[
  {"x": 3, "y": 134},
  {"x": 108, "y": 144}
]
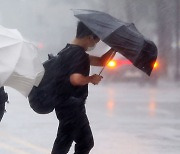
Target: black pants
[
  {"x": 73, "y": 126},
  {"x": 2, "y": 109},
  {"x": 3, "y": 99}
]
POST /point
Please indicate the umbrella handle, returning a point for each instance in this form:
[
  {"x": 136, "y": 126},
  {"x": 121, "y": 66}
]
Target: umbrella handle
[{"x": 107, "y": 62}]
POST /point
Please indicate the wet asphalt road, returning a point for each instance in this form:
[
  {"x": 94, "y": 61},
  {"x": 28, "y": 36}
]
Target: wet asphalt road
[{"x": 125, "y": 119}]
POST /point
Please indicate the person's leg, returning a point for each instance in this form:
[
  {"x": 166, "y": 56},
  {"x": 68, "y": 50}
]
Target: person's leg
[
  {"x": 64, "y": 139},
  {"x": 84, "y": 139},
  {"x": 78, "y": 130},
  {"x": 3, "y": 100},
  {"x": 2, "y": 110}
]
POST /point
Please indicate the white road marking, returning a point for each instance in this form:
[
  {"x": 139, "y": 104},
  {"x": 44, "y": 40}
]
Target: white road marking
[
  {"x": 24, "y": 143},
  {"x": 12, "y": 149}
]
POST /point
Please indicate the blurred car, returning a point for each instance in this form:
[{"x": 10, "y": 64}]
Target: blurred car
[{"x": 122, "y": 69}]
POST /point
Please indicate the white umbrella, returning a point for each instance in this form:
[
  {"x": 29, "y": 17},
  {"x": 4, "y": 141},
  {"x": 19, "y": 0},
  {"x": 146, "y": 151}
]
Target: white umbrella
[{"x": 20, "y": 67}]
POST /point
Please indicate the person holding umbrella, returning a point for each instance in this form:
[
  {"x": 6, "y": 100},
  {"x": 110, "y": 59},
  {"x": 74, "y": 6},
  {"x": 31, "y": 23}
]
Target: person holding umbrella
[
  {"x": 73, "y": 91},
  {"x": 66, "y": 80}
]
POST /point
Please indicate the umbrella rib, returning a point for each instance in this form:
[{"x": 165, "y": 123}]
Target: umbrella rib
[
  {"x": 10, "y": 45},
  {"x": 15, "y": 64},
  {"x": 10, "y": 37},
  {"x": 7, "y": 47}
]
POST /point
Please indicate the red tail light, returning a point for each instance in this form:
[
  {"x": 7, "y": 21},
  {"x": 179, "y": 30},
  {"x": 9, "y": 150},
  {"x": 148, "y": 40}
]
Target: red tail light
[
  {"x": 112, "y": 64},
  {"x": 156, "y": 65}
]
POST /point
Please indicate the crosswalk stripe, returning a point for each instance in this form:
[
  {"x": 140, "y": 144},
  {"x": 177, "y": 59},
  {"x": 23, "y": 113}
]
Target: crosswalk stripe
[
  {"x": 24, "y": 143},
  {"x": 12, "y": 149}
]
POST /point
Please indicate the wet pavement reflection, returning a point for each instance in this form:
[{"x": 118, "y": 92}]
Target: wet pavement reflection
[{"x": 125, "y": 119}]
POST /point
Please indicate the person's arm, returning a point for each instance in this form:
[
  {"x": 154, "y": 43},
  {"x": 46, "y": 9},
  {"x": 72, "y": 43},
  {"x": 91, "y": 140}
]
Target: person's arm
[
  {"x": 77, "y": 79},
  {"x": 102, "y": 61}
]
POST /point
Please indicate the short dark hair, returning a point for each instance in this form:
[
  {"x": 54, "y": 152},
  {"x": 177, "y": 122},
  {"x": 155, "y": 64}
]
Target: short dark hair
[{"x": 83, "y": 31}]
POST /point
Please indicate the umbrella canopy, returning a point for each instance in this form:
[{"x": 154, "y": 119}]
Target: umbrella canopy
[
  {"x": 20, "y": 67},
  {"x": 123, "y": 37}
]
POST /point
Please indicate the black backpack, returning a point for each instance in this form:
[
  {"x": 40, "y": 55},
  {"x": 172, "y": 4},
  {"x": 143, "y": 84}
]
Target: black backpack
[
  {"x": 53, "y": 88},
  {"x": 42, "y": 99}
]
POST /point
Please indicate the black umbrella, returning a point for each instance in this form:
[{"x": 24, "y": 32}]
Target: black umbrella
[{"x": 123, "y": 37}]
